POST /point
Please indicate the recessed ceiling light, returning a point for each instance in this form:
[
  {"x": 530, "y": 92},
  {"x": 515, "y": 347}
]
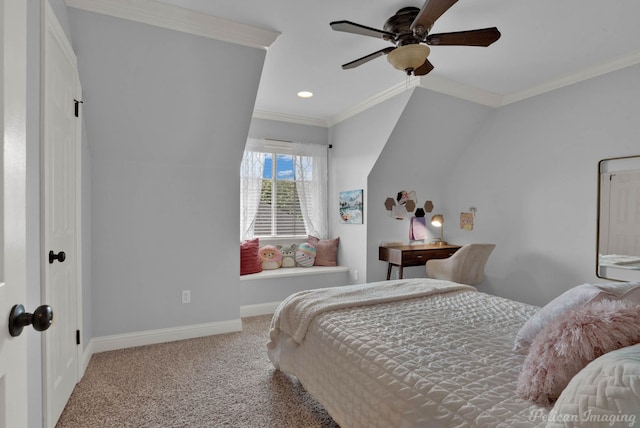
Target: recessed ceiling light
[{"x": 305, "y": 94}]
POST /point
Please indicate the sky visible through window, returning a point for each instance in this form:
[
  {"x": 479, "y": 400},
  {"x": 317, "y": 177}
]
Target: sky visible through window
[{"x": 284, "y": 167}]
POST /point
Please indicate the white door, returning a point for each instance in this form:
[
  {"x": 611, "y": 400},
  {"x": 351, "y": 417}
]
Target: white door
[
  {"x": 61, "y": 150},
  {"x": 13, "y": 350}
]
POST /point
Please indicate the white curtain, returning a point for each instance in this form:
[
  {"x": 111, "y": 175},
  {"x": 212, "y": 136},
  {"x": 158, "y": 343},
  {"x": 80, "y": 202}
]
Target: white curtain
[
  {"x": 251, "y": 173},
  {"x": 310, "y": 174},
  {"x": 310, "y": 162}
]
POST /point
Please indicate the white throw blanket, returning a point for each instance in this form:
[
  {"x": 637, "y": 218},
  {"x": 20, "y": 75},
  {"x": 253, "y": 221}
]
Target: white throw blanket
[{"x": 296, "y": 312}]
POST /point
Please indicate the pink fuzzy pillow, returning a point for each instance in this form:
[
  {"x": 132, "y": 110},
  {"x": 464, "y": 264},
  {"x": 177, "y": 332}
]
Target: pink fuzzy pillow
[
  {"x": 568, "y": 300},
  {"x": 571, "y": 341}
]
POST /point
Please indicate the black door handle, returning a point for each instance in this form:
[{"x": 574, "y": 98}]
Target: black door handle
[
  {"x": 41, "y": 319},
  {"x": 59, "y": 257}
]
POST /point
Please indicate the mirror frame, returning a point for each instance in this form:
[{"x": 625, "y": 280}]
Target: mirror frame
[{"x": 624, "y": 163}]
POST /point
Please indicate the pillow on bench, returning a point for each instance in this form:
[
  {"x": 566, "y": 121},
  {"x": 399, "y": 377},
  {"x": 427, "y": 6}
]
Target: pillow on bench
[
  {"x": 326, "y": 250},
  {"x": 249, "y": 258}
]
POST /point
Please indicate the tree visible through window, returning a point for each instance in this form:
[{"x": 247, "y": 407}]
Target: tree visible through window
[
  {"x": 279, "y": 212},
  {"x": 283, "y": 189}
]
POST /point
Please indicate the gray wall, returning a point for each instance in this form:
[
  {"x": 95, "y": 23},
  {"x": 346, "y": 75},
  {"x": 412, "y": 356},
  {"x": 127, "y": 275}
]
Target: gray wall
[
  {"x": 357, "y": 143},
  {"x": 167, "y": 118},
  {"x": 530, "y": 169},
  {"x": 532, "y": 174},
  {"x": 432, "y": 132}
]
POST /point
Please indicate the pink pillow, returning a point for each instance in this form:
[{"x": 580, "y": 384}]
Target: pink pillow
[
  {"x": 571, "y": 341},
  {"x": 326, "y": 251},
  {"x": 571, "y": 298},
  {"x": 249, "y": 259}
]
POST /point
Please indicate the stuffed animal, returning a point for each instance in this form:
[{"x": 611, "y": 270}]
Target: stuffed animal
[
  {"x": 288, "y": 255},
  {"x": 270, "y": 257},
  {"x": 305, "y": 255}
]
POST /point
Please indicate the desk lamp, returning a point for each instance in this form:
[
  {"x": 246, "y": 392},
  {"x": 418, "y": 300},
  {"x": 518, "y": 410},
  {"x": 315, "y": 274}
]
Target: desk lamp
[{"x": 438, "y": 221}]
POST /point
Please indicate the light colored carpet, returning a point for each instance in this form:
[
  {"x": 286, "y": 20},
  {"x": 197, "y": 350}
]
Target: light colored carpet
[{"x": 216, "y": 381}]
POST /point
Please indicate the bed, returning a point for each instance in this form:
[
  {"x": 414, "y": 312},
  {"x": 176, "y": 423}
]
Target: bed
[
  {"x": 410, "y": 353},
  {"x": 438, "y": 356}
]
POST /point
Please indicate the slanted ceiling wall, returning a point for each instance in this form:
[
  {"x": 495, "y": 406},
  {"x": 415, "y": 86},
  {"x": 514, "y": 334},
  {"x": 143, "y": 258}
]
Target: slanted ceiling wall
[
  {"x": 529, "y": 168},
  {"x": 167, "y": 118},
  {"x": 531, "y": 171},
  {"x": 430, "y": 135}
]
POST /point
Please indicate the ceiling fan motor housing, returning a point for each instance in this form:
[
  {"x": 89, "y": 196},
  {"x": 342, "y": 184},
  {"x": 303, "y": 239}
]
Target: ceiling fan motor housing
[{"x": 400, "y": 24}]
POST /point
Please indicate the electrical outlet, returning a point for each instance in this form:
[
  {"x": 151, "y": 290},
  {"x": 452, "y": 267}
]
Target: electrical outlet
[{"x": 186, "y": 296}]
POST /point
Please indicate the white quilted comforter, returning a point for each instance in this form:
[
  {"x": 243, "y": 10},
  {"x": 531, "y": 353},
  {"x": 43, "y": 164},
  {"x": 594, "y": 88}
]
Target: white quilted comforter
[{"x": 444, "y": 360}]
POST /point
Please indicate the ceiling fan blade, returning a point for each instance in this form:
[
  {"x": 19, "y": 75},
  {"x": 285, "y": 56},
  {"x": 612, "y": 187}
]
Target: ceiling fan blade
[
  {"x": 425, "y": 68},
  {"x": 367, "y": 58},
  {"x": 352, "y": 27},
  {"x": 431, "y": 11},
  {"x": 483, "y": 37}
]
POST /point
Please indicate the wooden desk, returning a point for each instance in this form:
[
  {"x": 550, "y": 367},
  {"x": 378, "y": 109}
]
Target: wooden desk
[{"x": 413, "y": 255}]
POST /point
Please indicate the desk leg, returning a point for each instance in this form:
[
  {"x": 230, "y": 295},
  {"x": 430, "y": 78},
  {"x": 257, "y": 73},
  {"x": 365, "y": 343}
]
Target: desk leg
[
  {"x": 389, "y": 266},
  {"x": 400, "y": 276}
]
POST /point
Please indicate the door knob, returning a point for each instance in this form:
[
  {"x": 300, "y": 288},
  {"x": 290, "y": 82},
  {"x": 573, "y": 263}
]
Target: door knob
[
  {"x": 59, "y": 257},
  {"x": 40, "y": 319}
]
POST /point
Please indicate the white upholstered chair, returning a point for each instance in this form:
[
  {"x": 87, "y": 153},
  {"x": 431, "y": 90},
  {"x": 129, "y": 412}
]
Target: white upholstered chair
[{"x": 466, "y": 266}]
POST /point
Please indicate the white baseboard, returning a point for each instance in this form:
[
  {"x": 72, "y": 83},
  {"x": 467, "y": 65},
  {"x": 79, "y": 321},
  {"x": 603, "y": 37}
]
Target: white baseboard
[
  {"x": 259, "y": 309},
  {"x": 130, "y": 340},
  {"x": 86, "y": 357}
]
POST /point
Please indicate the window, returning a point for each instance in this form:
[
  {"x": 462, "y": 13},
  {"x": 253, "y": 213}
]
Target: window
[
  {"x": 279, "y": 211},
  {"x": 283, "y": 189}
]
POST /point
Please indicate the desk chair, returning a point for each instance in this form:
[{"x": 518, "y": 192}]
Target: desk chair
[{"x": 466, "y": 266}]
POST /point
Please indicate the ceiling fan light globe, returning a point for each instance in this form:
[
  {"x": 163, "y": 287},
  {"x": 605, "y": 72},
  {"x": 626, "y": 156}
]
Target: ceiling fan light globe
[{"x": 408, "y": 57}]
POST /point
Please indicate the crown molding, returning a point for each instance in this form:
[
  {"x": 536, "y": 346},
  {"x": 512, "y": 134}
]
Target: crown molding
[
  {"x": 176, "y": 18},
  {"x": 376, "y": 99},
  {"x": 459, "y": 90},
  {"x": 301, "y": 120},
  {"x": 569, "y": 79},
  {"x": 172, "y": 17}
]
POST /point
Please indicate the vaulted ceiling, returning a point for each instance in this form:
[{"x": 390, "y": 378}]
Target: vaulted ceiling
[{"x": 545, "y": 44}]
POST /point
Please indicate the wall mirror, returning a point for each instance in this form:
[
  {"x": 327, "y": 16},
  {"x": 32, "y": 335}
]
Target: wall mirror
[{"x": 618, "y": 232}]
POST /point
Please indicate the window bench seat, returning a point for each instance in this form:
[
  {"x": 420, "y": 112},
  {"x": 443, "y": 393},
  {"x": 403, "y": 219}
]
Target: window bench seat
[
  {"x": 260, "y": 293},
  {"x": 294, "y": 271}
]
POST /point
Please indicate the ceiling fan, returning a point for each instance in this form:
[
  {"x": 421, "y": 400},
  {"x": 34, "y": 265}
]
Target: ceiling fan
[{"x": 409, "y": 30}]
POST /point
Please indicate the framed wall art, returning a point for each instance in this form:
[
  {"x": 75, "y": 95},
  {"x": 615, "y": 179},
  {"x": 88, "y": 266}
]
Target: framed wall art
[{"x": 351, "y": 206}]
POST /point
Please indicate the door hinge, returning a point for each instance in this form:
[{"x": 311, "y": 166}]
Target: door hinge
[
  {"x": 77, "y": 107},
  {"x": 77, "y": 337}
]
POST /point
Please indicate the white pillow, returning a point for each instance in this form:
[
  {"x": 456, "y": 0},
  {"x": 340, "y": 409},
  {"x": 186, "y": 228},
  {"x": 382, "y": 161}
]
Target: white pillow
[
  {"x": 621, "y": 290},
  {"x": 603, "y": 394},
  {"x": 571, "y": 298}
]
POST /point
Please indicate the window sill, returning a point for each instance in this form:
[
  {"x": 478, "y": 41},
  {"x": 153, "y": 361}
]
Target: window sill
[{"x": 295, "y": 271}]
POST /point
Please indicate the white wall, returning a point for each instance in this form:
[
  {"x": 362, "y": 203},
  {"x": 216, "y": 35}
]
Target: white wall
[
  {"x": 432, "y": 132},
  {"x": 357, "y": 142},
  {"x": 532, "y": 174},
  {"x": 167, "y": 118}
]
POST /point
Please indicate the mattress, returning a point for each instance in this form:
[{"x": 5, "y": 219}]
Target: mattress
[{"x": 440, "y": 360}]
